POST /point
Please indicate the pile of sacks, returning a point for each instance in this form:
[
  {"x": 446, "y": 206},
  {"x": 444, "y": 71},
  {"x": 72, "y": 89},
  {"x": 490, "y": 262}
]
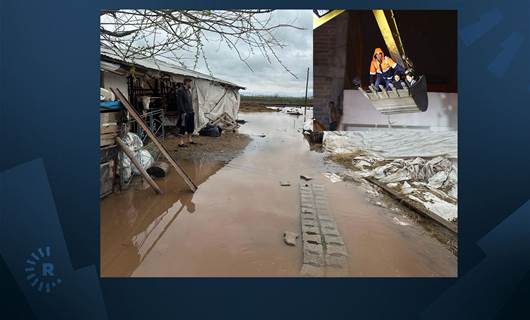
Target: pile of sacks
[
  {"x": 135, "y": 144},
  {"x": 433, "y": 183}
]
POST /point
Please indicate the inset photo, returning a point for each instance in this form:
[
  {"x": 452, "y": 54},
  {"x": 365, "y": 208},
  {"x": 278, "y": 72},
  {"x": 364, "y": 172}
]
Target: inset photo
[{"x": 386, "y": 110}]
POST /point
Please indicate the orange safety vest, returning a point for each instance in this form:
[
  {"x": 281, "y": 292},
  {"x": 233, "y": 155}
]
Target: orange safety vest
[{"x": 383, "y": 66}]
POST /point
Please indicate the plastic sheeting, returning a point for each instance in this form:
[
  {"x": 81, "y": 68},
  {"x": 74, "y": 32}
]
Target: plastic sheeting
[
  {"x": 393, "y": 143},
  {"x": 135, "y": 144},
  {"x": 420, "y": 164},
  {"x": 432, "y": 183},
  {"x": 211, "y": 100},
  {"x": 145, "y": 158}
]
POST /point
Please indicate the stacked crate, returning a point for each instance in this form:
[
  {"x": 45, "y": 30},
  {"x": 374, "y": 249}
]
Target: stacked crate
[{"x": 109, "y": 129}]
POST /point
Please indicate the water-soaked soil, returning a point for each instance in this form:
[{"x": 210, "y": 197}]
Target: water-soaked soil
[
  {"x": 380, "y": 197},
  {"x": 223, "y": 148},
  {"x": 254, "y": 107},
  {"x": 233, "y": 224}
]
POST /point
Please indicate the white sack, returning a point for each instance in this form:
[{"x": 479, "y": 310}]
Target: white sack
[{"x": 393, "y": 143}]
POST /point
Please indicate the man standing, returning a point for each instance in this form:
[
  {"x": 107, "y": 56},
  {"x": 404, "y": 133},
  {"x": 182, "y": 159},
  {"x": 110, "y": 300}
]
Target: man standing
[
  {"x": 334, "y": 116},
  {"x": 186, "y": 119},
  {"x": 384, "y": 71}
]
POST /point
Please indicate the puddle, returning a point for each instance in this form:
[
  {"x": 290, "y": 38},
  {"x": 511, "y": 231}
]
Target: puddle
[{"x": 233, "y": 224}]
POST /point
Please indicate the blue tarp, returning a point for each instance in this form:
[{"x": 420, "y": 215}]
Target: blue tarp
[{"x": 110, "y": 104}]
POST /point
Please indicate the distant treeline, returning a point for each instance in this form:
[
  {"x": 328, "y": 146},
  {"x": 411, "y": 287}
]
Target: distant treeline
[{"x": 276, "y": 99}]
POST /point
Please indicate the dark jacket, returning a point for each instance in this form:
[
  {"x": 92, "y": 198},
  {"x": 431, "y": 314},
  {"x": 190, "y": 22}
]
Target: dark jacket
[{"x": 184, "y": 102}]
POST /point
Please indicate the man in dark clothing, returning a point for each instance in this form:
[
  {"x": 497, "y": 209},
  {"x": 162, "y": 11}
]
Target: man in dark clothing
[
  {"x": 334, "y": 116},
  {"x": 186, "y": 119}
]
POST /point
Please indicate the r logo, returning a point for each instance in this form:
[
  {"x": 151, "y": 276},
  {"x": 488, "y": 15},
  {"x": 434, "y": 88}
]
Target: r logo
[{"x": 41, "y": 271}]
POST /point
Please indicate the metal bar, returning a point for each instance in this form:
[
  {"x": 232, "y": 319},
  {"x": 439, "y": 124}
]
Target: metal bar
[
  {"x": 383, "y": 90},
  {"x": 305, "y": 99}
]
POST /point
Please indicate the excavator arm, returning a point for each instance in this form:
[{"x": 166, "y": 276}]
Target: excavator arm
[
  {"x": 412, "y": 95},
  {"x": 388, "y": 27}
]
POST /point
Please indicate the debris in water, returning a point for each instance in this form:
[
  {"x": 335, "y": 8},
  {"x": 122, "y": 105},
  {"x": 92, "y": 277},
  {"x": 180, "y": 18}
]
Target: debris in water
[
  {"x": 401, "y": 223},
  {"x": 332, "y": 177},
  {"x": 306, "y": 178},
  {"x": 159, "y": 169},
  {"x": 290, "y": 238},
  {"x": 392, "y": 185},
  {"x": 406, "y": 188},
  {"x": 381, "y": 204},
  {"x": 285, "y": 183}
]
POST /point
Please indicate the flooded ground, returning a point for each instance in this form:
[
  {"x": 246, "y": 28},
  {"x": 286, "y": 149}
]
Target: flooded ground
[{"x": 233, "y": 224}]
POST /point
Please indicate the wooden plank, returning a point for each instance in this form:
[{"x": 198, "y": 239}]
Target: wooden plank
[
  {"x": 108, "y": 153},
  {"x": 153, "y": 138},
  {"x": 106, "y": 139},
  {"x": 106, "y": 178},
  {"x": 109, "y": 135},
  {"x": 416, "y": 207},
  {"x": 106, "y": 142},
  {"x": 110, "y": 117},
  {"x": 138, "y": 165},
  {"x": 108, "y": 129}
]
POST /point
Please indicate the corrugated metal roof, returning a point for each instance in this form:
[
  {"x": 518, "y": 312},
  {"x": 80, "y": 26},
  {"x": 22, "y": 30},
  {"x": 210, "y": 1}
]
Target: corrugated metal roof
[{"x": 159, "y": 65}]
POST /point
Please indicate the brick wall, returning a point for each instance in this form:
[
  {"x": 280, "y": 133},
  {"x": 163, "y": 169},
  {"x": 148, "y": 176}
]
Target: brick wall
[{"x": 329, "y": 63}]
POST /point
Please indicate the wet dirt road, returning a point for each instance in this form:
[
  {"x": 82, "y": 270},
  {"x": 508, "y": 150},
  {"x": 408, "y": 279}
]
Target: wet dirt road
[{"x": 233, "y": 224}]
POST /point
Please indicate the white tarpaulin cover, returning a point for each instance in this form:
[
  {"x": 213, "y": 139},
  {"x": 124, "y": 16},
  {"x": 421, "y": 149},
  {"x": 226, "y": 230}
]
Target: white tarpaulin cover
[
  {"x": 432, "y": 183},
  {"x": 393, "y": 143},
  {"x": 420, "y": 164},
  {"x": 211, "y": 96},
  {"x": 211, "y": 100}
]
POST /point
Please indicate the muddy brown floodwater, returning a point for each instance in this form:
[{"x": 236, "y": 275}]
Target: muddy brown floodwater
[{"x": 233, "y": 224}]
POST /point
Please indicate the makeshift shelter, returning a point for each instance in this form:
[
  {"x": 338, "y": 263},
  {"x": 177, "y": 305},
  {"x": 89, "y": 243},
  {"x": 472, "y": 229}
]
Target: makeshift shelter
[{"x": 149, "y": 82}]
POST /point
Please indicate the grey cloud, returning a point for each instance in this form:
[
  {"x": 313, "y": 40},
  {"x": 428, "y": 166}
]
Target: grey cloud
[{"x": 268, "y": 78}]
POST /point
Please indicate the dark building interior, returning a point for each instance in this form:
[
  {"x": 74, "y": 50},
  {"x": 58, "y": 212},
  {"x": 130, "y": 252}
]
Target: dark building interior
[
  {"x": 429, "y": 39},
  {"x": 343, "y": 49}
]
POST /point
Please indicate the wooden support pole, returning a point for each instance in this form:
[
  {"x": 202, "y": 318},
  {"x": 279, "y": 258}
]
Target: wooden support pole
[
  {"x": 305, "y": 99},
  {"x": 153, "y": 138},
  {"x": 138, "y": 165}
]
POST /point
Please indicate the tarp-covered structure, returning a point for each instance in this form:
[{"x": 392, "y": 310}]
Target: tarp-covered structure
[{"x": 211, "y": 96}]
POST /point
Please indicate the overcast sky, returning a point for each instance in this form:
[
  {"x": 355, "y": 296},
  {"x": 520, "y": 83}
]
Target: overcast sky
[{"x": 269, "y": 78}]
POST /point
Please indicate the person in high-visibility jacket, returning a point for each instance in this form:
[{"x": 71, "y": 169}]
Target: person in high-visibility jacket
[{"x": 384, "y": 71}]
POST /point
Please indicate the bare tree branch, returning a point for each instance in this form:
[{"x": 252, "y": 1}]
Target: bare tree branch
[{"x": 132, "y": 34}]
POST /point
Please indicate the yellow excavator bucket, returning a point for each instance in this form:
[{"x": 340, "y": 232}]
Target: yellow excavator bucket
[{"x": 407, "y": 100}]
